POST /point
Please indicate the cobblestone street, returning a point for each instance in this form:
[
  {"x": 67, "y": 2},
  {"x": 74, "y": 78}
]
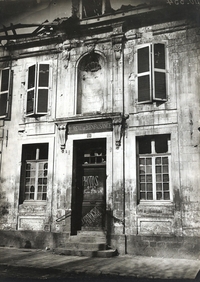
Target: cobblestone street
[{"x": 20, "y": 264}]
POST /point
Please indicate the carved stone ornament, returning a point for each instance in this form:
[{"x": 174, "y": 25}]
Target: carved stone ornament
[
  {"x": 117, "y": 49},
  {"x": 62, "y": 133},
  {"x": 90, "y": 47},
  {"x": 117, "y": 128},
  {"x": 65, "y": 48},
  {"x": 66, "y": 58}
]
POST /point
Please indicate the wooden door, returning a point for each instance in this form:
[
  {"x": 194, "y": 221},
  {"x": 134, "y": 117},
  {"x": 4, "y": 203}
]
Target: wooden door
[{"x": 93, "y": 206}]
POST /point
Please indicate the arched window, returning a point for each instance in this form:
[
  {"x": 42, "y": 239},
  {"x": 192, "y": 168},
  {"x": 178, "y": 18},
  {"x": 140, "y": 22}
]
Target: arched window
[{"x": 91, "y": 84}]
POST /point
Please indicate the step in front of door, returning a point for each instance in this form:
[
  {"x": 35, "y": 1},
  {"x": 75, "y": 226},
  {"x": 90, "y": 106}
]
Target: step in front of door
[{"x": 86, "y": 253}]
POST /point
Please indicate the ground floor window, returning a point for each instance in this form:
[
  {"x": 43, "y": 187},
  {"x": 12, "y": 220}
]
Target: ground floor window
[
  {"x": 154, "y": 167},
  {"x": 34, "y": 172}
]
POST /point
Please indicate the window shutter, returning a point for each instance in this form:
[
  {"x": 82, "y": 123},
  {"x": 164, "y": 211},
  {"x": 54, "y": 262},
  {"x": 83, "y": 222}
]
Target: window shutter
[
  {"x": 4, "y": 91},
  {"x": 144, "y": 74},
  {"x": 43, "y": 88},
  {"x": 159, "y": 72},
  {"x": 31, "y": 90}
]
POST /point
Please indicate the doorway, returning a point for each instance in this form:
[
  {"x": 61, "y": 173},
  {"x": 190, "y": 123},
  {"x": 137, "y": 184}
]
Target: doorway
[{"x": 89, "y": 185}]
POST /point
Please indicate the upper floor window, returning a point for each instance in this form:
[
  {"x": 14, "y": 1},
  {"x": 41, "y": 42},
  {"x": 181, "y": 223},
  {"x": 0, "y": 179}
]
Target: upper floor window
[
  {"x": 5, "y": 92},
  {"x": 154, "y": 167},
  {"x": 151, "y": 73},
  {"x": 94, "y": 8},
  {"x": 38, "y": 89}
]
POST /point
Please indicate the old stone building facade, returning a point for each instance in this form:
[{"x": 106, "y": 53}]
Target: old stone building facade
[{"x": 99, "y": 118}]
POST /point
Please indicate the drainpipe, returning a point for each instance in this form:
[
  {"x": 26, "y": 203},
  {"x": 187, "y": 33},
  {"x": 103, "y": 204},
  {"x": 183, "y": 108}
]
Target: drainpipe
[{"x": 123, "y": 142}]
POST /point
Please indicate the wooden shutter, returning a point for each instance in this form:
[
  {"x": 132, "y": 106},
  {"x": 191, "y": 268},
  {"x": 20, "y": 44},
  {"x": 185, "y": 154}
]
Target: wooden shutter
[
  {"x": 4, "y": 91},
  {"x": 144, "y": 74},
  {"x": 31, "y": 90},
  {"x": 159, "y": 72},
  {"x": 42, "y": 89}
]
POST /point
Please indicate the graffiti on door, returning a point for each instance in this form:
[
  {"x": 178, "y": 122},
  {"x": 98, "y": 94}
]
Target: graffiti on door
[{"x": 91, "y": 185}]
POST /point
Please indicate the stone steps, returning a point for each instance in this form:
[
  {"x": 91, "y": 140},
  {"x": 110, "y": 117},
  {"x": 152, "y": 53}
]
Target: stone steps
[
  {"x": 86, "y": 253},
  {"x": 88, "y": 244},
  {"x": 84, "y": 246}
]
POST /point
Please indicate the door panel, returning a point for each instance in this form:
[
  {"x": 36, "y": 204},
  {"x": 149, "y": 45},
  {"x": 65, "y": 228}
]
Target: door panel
[{"x": 93, "y": 183}]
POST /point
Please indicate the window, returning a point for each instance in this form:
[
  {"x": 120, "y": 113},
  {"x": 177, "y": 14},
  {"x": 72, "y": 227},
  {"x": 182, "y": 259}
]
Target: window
[
  {"x": 154, "y": 167},
  {"x": 151, "y": 73},
  {"x": 34, "y": 172},
  {"x": 37, "y": 90},
  {"x": 5, "y": 92}
]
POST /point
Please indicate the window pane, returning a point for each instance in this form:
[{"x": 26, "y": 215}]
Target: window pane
[
  {"x": 165, "y": 168},
  {"x": 32, "y": 188},
  {"x": 142, "y": 170},
  {"x": 144, "y": 148},
  {"x": 44, "y": 75},
  {"x": 44, "y": 180},
  {"x": 143, "y": 59},
  {"x": 148, "y": 161},
  {"x": 141, "y": 160},
  {"x": 39, "y": 188},
  {"x": 149, "y": 178},
  {"x": 158, "y": 160},
  {"x": 159, "y": 56},
  {"x": 91, "y": 8},
  {"x": 3, "y": 104},
  {"x": 31, "y": 77},
  {"x": 159, "y": 195},
  {"x": 4, "y": 79},
  {"x": 166, "y": 196},
  {"x": 39, "y": 180},
  {"x": 142, "y": 178},
  {"x": 165, "y": 160},
  {"x": 142, "y": 187},
  {"x": 149, "y": 187},
  {"x": 158, "y": 169},
  {"x": 39, "y": 196},
  {"x": 166, "y": 186},
  {"x": 144, "y": 88},
  {"x": 148, "y": 169},
  {"x": 149, "y": 196},
  {"x": 159, "y": 177},
  {"x": 158, "y": 186},
  {"x": 161, "y": 143},
  {"x": 165, "y": 177},
  {"x": 42, "y": 103},
  {"x": 44, "y": 196},
  {"x": 160, "y": 85},
  {"x": 142, "y": 196}
]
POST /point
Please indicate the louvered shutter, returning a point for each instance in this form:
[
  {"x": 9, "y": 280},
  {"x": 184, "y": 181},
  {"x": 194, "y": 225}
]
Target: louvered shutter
[
  {"x": 144, "y": 74},
  {"x": 159, "y": 72},
  {"x": 31, "y": 90},
  {"x": 4, "y": 91},
  {"x": 42, "y": 89}
]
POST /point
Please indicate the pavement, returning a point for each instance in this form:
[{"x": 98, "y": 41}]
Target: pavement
[{"x": 46, "y": 264}]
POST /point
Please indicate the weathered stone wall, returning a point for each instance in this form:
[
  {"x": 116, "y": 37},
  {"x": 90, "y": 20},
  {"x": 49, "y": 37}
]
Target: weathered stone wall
[
  {"x": 158, "y": 246},
  {"x": 178, "y": 116}
]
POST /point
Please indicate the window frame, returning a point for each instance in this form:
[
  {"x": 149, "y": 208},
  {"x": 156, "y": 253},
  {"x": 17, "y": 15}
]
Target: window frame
[
  {"x": 23, "y": 176},
  {"x": 153, "y": 156},
  {"x": 36, "y": 88},
  {"x": 151, "y": 72},
  {"x": 8, "y": 91}
]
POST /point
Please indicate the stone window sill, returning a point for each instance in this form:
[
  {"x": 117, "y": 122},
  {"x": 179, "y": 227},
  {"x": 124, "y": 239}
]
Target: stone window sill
[{"x": 36, "y": 203}]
